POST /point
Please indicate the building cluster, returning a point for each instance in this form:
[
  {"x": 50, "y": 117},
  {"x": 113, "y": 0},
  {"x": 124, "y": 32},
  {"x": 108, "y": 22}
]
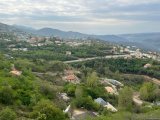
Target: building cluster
[
  {"x": 71, "y": 77},
  {"x": 134, "y": 52},
  {"x": 74, "y": 43}
]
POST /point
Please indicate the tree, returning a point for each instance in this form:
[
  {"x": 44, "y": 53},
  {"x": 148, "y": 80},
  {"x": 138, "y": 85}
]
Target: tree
[
  {"x": 46, "y": 110},
  {"x": 70, "y": 89},
  {"x": 47, "y": 90},
  {"x": 92, "y": 79},
  {"x": 157, "y": 93},
  {"x": 6, "y": 95},
  {"x": 7, "y": 114},
  {"x": 148, "y": 92},
  {"x": 87, "y": 103},
  {"x": 57, "y": 66},
  {"x": 78, "y": 92},
  {"x": 125, "y": 98}
]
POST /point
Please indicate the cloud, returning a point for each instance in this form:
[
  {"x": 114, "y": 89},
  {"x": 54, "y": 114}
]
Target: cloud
[{"x": 94, "y": 14}]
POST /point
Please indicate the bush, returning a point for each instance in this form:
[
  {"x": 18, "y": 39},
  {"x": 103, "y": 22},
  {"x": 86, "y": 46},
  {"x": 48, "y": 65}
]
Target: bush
[
  {"x": 45, "y": 109},
  {"x": 86, "y": 102},
  {"x": 57, "y": 66},
  {"x": 6, "y": 95},
  {"x": 125, "y": 99},
  {"x": 24, "y": 97},
  {"x": 47, "y": 91},
  {"x": 148, "y": 92},
  {"x": 7, "y": 114},
  {"x": 70, "y": 89}
]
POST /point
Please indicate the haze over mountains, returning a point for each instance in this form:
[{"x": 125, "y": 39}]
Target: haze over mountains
[{"x": 147, "y": 41}]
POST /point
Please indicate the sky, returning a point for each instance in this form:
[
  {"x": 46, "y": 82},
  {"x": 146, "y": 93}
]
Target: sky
[{"x": 86, "y": 16}]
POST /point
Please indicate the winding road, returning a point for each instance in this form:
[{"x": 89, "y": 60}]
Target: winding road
[{"x": 93, "y": 58}]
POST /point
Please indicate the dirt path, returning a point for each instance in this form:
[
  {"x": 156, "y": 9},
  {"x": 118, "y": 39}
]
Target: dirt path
[
  {"x": 136, "y": 98},
  {"x": 93, "y": 58},
  {"x": 153, "y": 80}
]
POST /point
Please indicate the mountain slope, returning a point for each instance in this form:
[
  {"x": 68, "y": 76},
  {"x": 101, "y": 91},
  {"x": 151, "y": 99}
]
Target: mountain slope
[
  {"x": 63, "y": 34},
  {"x": 25, "y": 28},
  {"x": 9, "y": 29},
  {"x": 6, "y": 28},
  {"x": 148, "y": 41}
]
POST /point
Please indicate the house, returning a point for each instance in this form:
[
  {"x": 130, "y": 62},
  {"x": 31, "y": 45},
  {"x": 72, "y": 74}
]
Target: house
[
  {"x": 16, "y": 72},
  {"x": 81, "y": 114},
  {"x": 114, "y": 49},
  {"x": 115, "y": 82},
  {"x": 147, "y": 65},
  {"x": 110, "y": 90},
  {"x": 23, "y": 49},
  {"x": 64, "y": 96},
  {"x": 68, "y": 53},
  {"x": 121, "y": 51},
  {"x": 126, "y": 50},
  {"x": 100, "y": 101},
  {"x": 71, "y": 78},
  {"x": 105, "y": 104},
  {"x": 138, "y": 54},
  {"x": 111, "y": 108}
]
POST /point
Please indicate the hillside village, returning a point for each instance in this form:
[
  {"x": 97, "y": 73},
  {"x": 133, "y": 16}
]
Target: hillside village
[
  {"x": 131, "y": 51},
  {"x": 52, "y": 78}
]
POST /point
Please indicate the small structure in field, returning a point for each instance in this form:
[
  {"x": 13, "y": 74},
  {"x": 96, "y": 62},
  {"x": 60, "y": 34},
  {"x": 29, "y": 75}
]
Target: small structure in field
[
  {"x": 71, "y": 77},
  {"x": 147, "y": 65},
  {"x": 113, "y": 82},
  {"x": 110, "y": 90},
  {"x": 105, "y": 104},
  {"x": 15, "y": 72},
  {"x": 68, "y": 52},
  {"x": 64, "y": 96}
]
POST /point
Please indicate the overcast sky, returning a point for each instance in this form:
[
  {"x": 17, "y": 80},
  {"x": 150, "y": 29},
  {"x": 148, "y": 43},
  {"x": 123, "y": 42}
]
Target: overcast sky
[{"x": 86, "y": 16}]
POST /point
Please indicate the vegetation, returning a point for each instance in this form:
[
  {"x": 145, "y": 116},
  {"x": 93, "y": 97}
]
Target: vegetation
[
  {"x": 46, "y": 110},
  {"x": 149, "y": 92},
  {"x": 26, "y": 93},
  {"x": 126, "y": 66},
  {"x": 7, "y": 114},
  {"x": 92, "y": 79},
  {"x": 125, "y": 99},
  {"x": 35, "y": 94}
]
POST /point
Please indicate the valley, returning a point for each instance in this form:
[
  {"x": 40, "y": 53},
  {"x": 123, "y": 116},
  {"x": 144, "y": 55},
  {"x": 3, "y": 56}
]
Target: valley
[{"x": 45, "y": 76}]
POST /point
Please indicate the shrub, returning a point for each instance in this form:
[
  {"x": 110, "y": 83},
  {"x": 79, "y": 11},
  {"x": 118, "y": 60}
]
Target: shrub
[
  {"x": 6, "y": 95},
  {"x": 48, "y": 91},
  {"x": 7, "y": 114},
  {"x": 45, "y": 109}
]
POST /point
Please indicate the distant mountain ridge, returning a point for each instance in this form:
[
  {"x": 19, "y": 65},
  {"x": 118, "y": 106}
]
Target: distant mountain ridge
[{"x": 148, "y": 41}]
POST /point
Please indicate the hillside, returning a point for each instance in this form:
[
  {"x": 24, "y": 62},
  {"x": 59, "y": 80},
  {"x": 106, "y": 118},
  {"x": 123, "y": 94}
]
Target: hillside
[
  {"x": 144, "y": 40},
  {"x": 37, "y": 89},
  {"x": 147, "y": 41},
  {"x": 37, "y": 81}
]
